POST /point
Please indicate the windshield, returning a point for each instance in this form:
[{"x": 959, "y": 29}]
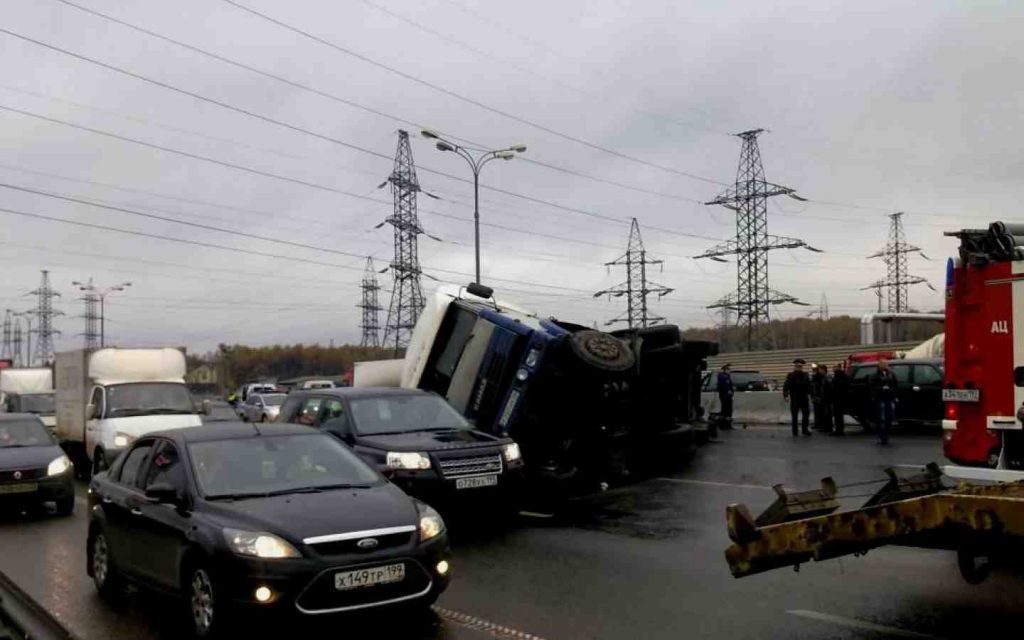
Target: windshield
[
  {"x": 274, "y": 400},
  {"x": 146, "y": 398},
  {"x": 276, "y": 464},
  {"x": 404, "y": 413},
  {"x": 37, "y": 403},
  {"x": 24, "y": 433}
]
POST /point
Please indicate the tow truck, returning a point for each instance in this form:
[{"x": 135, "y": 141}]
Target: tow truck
[{"x": 975, "y": 506}]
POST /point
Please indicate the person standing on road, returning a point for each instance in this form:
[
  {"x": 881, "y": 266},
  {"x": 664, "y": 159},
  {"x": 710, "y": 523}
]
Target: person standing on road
[
  {"x": 883, "y": 391},
  {"x": 821, "y": 398},
  {"x": 797, "y": 390},
  {"x": 840, "y": 388},
  {"x": 726, "y": 389}
]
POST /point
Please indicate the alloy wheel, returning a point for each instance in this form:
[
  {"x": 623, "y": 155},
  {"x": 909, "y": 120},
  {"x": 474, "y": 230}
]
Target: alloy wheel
[
  {"x": 202, "y": 602},
  {"x": 100, "y": 559}
]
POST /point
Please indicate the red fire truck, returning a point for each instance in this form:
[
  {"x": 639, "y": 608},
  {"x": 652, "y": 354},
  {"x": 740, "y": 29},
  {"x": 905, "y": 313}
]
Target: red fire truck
[{"x": 984, "y": 348}]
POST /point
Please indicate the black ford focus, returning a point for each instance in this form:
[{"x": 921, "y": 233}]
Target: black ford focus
[{"x": 271, "y": 517}]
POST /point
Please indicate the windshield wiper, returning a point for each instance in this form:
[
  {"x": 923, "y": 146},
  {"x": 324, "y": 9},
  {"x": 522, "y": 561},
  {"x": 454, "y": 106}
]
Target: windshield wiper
[
  {"x": 316, "y": 489},
  {"x": 236, "y": 496}
]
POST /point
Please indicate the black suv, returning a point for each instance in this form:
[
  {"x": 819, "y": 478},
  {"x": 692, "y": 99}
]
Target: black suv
[
  {"x": 741, "y": 380},
  {"x": 919, "y": 392},
  {"x": 413, "y": 437}
]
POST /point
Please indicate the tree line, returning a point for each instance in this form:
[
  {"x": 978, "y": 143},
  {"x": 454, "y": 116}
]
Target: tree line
[{"x": 237, "y": 363}]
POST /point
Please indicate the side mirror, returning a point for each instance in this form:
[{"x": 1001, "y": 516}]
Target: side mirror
[
  {"x": 1018, "y": 376},
  {"x": 205, "y": 407},
  {"x": 340, "y": 428},
  {"x": 163, "y": 492},
  {"x": 90, "y": 412}
]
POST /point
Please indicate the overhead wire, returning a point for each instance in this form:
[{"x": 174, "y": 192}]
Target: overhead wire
[
  {"x": 332, "y": 97},
  {"x": 468, "y": 100}
]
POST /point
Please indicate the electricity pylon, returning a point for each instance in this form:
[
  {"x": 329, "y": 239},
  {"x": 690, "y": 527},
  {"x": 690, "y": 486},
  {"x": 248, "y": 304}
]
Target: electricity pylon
[{"x": 637, "y": 287}]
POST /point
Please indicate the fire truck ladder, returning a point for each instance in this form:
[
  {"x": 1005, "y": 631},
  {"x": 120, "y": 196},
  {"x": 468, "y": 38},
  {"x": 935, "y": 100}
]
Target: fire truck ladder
[{"x": 982, "y": 523}]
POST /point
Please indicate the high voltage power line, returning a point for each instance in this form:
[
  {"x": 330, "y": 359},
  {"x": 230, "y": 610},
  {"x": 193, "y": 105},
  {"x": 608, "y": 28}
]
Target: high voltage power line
[
  {"x": 292, "y": 127},
  {"x": 469, "y": 100}
]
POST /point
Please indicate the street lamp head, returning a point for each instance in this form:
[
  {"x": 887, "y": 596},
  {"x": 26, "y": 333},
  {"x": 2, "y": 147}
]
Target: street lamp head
[
  {"x": 427, "y": 133},
  {"x": 505, "y": 155},
  {"x": 519, "y": 148},
  {"x": 444, "y": 146}
]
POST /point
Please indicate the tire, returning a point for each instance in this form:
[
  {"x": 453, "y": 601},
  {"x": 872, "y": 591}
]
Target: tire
[
  {"x": 602, "y": 350},
  {"x": 205, "y": 615},
  {"x": 263, "y": 418},
  {"x": 109, "y": 583},
  {"x": 99, "y": 462},
  {"x": 66, "y": 505}
]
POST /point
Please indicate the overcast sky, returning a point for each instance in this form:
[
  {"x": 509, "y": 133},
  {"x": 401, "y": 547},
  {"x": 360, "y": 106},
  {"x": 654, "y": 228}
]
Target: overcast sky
[{"x": 871, "y": 107}]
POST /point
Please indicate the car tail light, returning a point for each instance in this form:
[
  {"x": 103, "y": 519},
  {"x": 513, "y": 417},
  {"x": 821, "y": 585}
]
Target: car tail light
[{"x": 952, "y": 411}]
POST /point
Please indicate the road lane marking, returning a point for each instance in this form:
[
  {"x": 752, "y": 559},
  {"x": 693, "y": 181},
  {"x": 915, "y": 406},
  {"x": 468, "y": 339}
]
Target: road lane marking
[
  {"x": 492, "y": 629},
  {"x": 854, "y": 623},
  {"x": 717, "y": 484}
]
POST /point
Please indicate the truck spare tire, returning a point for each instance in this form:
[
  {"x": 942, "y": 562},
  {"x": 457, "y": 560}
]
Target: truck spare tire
[{"x": 602, "y": 350}]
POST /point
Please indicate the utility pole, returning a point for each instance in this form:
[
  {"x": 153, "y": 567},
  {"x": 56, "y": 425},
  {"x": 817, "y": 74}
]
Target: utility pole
[
  {"x": 7, "y": 352},
  {"x": 748, "y": 197},
  {"x": 823, "y": 313},
  {"x": 45, "y": 313},
  {"x": 406, "y": 296},
  {"x": 370, "y": 306},
  {"x": 92, "y": 333},
  {"x": 97, "y": 296},
  {"x": 16, "y": 342},
  {"x": 897, "y": 281},
  {"x": 636, "y": 288}
]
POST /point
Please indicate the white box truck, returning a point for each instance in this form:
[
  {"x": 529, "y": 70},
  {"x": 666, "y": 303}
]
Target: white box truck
[
  {"x": 29, "y": 391},
  {"x": 108, "y": 398}
]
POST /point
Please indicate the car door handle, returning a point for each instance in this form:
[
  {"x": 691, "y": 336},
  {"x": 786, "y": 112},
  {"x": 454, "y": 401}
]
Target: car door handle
[
  {"x": 136, "y": 511},
  {"x": 107, "y": 500}
]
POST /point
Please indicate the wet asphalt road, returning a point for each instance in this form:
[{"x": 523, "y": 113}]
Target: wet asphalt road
[{"x": 643, "y": 561}]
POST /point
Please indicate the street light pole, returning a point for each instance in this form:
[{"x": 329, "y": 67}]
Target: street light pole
[{"x": 476, "y": 164}]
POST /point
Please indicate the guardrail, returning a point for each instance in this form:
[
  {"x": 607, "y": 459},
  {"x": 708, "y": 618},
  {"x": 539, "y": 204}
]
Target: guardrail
[{"x": 22, "y": 618}]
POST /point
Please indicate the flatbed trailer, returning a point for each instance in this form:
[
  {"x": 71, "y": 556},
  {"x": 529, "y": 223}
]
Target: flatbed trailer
[{"x": 982, "y": 523}]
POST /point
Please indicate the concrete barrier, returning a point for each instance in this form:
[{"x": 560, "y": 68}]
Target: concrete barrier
[{"x": 750, "y": 407}]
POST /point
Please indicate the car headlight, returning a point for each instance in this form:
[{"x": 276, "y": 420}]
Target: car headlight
[
  {"x": 399, "y": 460},
  {"x": 431, "y": 524},
  {"x": 522, "y": 374},
  {"x": 512, "y": 452},
  {"x": 58, "y": 466},
  {"x": 532, "y": 357},
  {"x": 122, "y": 440},
  {"x": 259, "y": 544}
]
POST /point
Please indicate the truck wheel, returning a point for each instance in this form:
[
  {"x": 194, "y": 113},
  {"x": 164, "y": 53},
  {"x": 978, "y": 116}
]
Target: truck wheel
[
  {"x": 974, "y": 565},
  {"x": 602, "y": 350}
]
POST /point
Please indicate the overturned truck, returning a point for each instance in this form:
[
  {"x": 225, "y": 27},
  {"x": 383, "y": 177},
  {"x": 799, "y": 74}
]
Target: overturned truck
[{"x": 588, "y": 408}]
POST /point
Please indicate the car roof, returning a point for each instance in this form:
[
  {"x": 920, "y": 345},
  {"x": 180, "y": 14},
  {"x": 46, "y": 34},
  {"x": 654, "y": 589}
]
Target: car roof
[
  {"x": 361, "y": 392},
  {"x": 233, "y": 431}
]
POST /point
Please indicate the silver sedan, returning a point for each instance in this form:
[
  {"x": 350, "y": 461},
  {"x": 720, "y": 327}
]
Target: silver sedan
[{"x": 262, "y": 407}]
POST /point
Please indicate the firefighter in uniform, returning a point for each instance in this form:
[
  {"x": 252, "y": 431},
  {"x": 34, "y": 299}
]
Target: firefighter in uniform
[{"x": 797, "y": 390}]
